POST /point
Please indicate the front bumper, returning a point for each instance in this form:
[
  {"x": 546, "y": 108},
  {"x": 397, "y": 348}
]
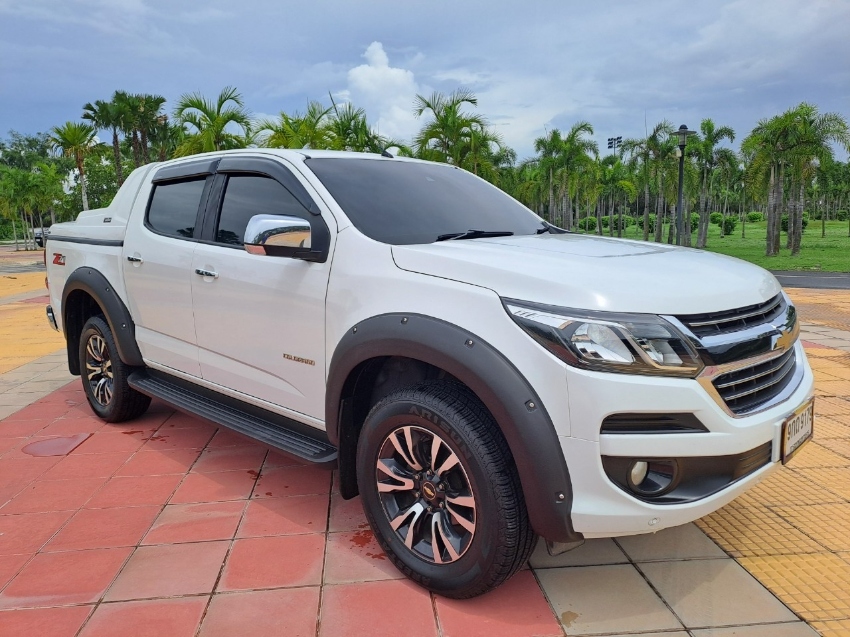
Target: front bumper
[{"x": 600, "y": 508}]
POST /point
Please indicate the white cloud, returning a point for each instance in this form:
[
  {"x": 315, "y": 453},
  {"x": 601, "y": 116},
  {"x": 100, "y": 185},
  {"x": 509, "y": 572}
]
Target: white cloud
[{"x": 386, "y": 92}]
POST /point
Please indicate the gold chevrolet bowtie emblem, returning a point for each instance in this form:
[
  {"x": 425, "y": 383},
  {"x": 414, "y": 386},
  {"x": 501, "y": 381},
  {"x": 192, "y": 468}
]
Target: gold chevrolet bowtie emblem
[{"x": 786, "y": 337}]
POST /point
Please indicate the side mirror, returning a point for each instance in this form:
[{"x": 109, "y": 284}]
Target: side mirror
[{"x": 279, "y": 236}]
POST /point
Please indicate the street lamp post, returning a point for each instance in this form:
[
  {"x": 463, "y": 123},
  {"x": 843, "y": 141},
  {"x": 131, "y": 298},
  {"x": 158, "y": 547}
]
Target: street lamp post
[
  {"x": 683, "y": 133},
  {"x": 614, "y": 143}
]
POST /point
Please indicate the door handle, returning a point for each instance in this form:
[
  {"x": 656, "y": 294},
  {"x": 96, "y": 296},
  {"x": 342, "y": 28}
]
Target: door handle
[
  {"x": 203, "y": 272},
  {"x": 134, "y": 259}
]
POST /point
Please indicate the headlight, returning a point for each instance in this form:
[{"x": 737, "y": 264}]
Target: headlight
[{"x": 608, "y": 342}]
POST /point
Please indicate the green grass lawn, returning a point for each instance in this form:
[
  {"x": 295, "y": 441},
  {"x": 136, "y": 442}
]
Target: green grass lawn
[{"x": 829, "y": 254}]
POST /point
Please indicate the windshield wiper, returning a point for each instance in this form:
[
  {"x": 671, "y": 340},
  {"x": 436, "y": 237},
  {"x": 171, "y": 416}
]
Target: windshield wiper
[
  {"x": 474, "y": 234},
  {"x": 548, "y": 227}
]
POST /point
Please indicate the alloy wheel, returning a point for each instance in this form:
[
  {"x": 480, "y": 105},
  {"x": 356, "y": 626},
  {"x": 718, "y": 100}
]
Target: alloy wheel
[
  {"x": 426, "y": 494},
  {"x": 99, "y": 369}
]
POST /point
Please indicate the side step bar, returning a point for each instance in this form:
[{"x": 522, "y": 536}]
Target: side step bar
[{"x": 272, "y": 429}]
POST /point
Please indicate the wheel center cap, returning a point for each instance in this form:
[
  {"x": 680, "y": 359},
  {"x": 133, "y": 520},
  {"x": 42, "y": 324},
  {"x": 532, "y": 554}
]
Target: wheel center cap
[{"x": 429, "y": 491}]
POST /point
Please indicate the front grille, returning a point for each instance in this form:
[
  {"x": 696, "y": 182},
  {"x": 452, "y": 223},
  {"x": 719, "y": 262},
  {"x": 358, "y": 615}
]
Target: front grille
[
  {"x": 714, "y": 323},
  {"x": 746, "y": 389}
]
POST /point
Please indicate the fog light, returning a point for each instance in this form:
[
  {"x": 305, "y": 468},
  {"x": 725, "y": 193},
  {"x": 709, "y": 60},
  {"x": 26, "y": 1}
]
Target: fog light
[
  {"x": 638, "y": 472},
  {"x": 657, "y": 476}
]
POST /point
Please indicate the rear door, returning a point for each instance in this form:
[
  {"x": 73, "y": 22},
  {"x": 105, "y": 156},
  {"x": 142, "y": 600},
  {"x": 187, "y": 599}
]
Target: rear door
[
  {"x": 157, "y": 264},
  {"x": 260, "y": 320}
]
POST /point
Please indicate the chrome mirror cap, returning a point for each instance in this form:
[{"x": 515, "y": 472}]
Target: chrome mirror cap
[{"x": 277, "y": 235}]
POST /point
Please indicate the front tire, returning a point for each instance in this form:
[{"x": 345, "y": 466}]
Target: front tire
[
  {"x": 105, "y": 375},
  {"x": 440, "y": 490}
]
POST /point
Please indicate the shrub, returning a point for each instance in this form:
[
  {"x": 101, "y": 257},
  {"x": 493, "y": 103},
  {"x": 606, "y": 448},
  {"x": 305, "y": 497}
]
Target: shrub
[
  {"x": 628, "y": 220},
  {"x": 716, "y": 218},
  {"x": 729, "y": 224},
  {"x": 841, "y": 215},
  {"x": 694, "y": 221},
  {"x": 754, "y": 217},
  {"x": 785, "y": 222},
  {"x": 588, "y": 224}
]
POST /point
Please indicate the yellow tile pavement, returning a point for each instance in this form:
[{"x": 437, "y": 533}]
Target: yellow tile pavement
[
  {"x": 24, "y": 332},
  {"x": 792, "y": 532}
]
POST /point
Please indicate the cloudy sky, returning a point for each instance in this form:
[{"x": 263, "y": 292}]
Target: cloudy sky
[{"x": 533, "y": 65}]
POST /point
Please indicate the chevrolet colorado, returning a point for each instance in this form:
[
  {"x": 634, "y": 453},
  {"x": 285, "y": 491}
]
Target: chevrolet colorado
[{"x": 478, "y": 376}]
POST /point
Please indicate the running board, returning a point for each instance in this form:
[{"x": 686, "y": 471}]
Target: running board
[{"x": 269, "y": 428}]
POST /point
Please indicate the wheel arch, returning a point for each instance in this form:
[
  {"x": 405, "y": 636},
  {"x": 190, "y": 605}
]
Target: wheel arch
[
  {"x": 511, "y": 400},
  {"x": 86, "y": 293}
]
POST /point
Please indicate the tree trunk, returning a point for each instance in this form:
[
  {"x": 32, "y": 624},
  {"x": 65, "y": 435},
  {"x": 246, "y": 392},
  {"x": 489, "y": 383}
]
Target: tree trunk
[
  {"x": 797, "y": 237},
  {"x": 780, "y": 202},
  {"x": 137, "y": 156},
  {"x": 611, "y": 217},
  {"x": 620, "y": 220},
  {"x": 792, "y": 217},
  {"x": 116, "y": 151},
  {"x": 702, "y": 227},
  {"x": 599, "y": 216},
  {"x": 723, "y": 214},
  {"x": 24, "y": 230},
  {"x": 15, "y": 232},
  {"x": 551, "y": 197},
  {"x": 83, "y": 182},
  {"x": 771, "y": 212},
  {"x": 671, "y": 231},
  {"x": 658, "y": 219},
  {"x": 646, "y": 212}
]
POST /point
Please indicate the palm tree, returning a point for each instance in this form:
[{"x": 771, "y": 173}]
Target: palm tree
[
  {"x": 815, "y": 135},
  {"x": 210, "y": 121},
  {"x": 129, "y": 106},
  {"x": 109, "y": 116},
  {"x": 704, "y": 148},
  {"x": 615, "y": 182},
  {"x": 75, "y": 140},
  {"x": 550, "y": 149},
  {"x": 577, "y": 154},
  {"x": 644, "y": 153},
  {"x": 148, "y": 116},
  {"x": 787, "y": 142},
  {"x": 309, "y": 130},
  {"x": 165, "y": 137},
  {"x": 442, "y": 138}
]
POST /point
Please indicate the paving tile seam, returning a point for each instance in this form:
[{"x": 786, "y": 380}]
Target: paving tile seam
[
  {"x": 545, "y": 596},
  {"x": 101, "y": 600},
  {"x": 652, "y": 586},
  {"x": 334, "y": 478}
]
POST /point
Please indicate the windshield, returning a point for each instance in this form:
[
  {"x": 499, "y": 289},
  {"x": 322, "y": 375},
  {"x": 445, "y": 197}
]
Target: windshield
[{"x": 401, "y": 203}]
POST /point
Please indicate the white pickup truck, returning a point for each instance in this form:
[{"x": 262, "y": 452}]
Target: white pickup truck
[{"x": 479, "y": 376}]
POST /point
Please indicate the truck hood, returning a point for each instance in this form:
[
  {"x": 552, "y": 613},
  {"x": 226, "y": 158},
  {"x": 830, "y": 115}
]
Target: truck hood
[{"x": 595, "y": 273}]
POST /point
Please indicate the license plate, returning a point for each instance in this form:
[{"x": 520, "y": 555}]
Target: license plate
[{"x": 797, "y": 430}]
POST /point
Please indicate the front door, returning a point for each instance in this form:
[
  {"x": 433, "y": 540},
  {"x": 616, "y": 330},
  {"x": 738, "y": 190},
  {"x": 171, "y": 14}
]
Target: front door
[{"x": 260, "y": 320}]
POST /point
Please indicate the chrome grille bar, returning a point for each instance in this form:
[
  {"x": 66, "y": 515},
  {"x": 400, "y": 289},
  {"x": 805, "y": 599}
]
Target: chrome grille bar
[
  {"x": 733, "y": 320},
  {"x": 746, "y": 389}
]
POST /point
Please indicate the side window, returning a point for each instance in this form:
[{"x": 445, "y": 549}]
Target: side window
[
  {"x": 249, "y": 195},
  {"x": 174, "y": 207}
]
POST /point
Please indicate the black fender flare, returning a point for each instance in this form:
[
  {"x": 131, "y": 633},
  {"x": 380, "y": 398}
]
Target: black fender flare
[
  {"x": 93, "y": 283},
  {"x": 516, "y": 407}
]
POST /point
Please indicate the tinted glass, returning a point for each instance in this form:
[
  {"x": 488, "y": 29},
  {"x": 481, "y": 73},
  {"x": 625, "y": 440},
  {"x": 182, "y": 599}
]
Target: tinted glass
[
  {"x": 249, "y": 195},
  {"x": 401, "y": 202},
  {"x": 174, "y": 207}
]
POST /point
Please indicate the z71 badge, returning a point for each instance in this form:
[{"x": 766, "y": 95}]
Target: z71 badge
[{"x": 58, "y": 259}]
